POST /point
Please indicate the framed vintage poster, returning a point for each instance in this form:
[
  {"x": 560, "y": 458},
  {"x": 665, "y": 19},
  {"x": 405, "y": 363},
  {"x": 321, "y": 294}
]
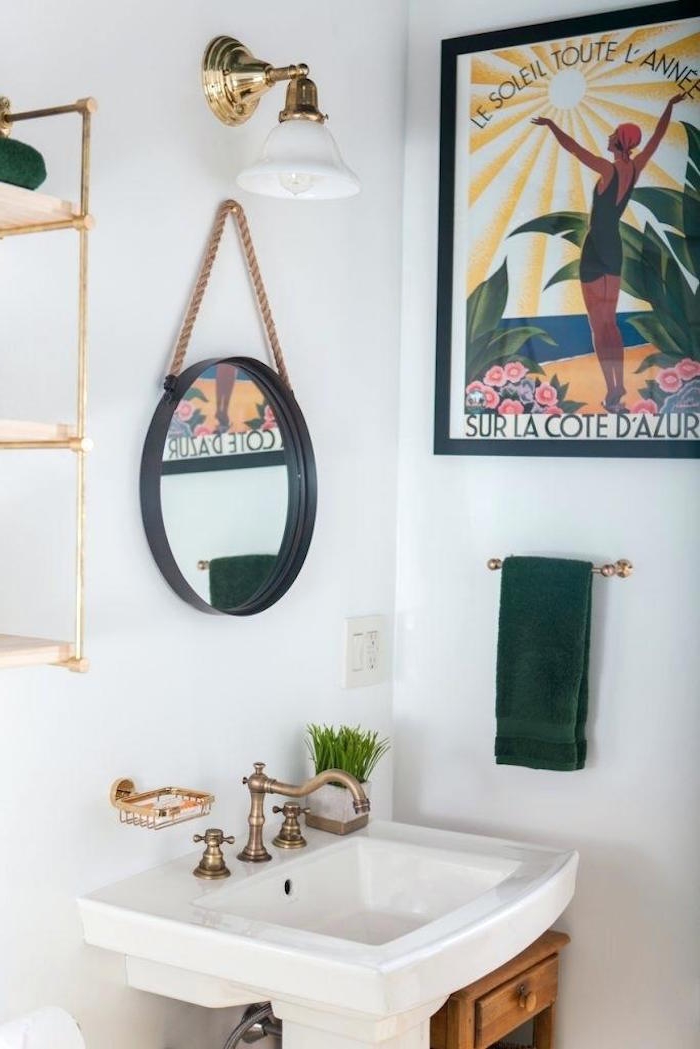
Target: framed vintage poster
[{"x": 569, "y": 238}]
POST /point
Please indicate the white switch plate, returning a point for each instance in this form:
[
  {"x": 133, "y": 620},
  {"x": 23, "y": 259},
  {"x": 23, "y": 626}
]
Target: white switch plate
[{"x": 364, "y": 651}]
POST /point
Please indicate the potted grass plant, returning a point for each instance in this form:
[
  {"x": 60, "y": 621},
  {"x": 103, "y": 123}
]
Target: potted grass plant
[{"x": 354, "y": 750}]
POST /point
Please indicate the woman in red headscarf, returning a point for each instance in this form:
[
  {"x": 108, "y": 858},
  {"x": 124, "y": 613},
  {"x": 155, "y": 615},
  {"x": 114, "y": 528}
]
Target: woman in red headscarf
[{"x": 601, "y": 254}]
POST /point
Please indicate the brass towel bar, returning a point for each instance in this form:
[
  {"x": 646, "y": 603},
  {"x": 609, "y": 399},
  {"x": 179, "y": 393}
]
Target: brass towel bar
[{"x": 622, "y": 568}]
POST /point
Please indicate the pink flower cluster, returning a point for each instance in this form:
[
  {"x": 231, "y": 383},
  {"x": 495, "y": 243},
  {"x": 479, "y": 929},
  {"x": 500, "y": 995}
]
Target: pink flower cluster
[
  {"x": 184, "y": 411},
  {"x": 269, "y": 421},
  {"x": 669, "y": 380},
  {"x": 491, "y": 398},
  {"x": 514, "y": 372}
]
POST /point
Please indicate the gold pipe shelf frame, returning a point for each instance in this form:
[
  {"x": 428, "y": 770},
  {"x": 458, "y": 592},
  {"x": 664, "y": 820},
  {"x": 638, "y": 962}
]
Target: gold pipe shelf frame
[
  {"x": 156, "y": 809},
  {"x": 621, "y": 568},
  {"x": 23, "y": 212}
]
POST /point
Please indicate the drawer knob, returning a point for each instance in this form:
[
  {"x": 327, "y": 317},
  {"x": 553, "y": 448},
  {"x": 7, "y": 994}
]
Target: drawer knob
[{"x": 527, "y": 1000}]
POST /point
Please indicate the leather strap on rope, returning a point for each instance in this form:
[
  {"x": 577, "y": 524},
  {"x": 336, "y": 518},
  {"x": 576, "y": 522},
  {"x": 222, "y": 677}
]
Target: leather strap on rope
[{"x": 233, "y": 208}]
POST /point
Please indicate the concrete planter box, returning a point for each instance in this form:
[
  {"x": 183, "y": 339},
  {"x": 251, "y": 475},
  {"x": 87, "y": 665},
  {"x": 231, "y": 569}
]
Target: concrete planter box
[{"x": 330, "y": 808}]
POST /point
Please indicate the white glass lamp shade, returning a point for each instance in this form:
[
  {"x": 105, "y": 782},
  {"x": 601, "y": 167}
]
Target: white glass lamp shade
[{"x": 300, "y": 160}]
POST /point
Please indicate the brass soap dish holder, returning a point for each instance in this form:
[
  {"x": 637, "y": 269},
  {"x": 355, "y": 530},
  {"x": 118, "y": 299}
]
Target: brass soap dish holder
[{"x": 159, "y": 808}]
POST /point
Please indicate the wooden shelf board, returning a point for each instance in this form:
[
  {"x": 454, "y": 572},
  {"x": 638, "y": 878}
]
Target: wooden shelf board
[
  {"x": 25, "y": 430},
  {"x": 25, "y": 207},
  {"x": 16, "y": 651}
]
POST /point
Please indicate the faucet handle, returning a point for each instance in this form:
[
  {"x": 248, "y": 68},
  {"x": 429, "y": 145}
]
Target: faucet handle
[
  {"x": 212, "y": 864},
  {"x": 290, "y": 836},
  {"x": 213, "y": 836}
]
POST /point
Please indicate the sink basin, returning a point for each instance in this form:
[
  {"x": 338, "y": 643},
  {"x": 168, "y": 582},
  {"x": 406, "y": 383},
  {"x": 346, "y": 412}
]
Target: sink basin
[
  {"x": 364, "y": 890},
  {"x": 361, "y": 937}
]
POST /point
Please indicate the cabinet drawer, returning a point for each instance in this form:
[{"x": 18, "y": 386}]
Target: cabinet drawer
[{"x": 502, "y": 1010}]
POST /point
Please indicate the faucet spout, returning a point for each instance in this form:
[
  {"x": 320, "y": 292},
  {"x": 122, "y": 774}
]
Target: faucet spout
[{"x": 360, "y": 800}]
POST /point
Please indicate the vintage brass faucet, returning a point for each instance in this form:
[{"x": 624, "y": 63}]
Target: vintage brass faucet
[{"x": 260, "y": 784}]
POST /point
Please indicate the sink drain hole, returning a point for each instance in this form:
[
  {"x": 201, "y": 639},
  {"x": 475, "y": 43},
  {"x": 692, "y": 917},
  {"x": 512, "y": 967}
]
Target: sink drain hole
[{"x": 288, "y": 887}]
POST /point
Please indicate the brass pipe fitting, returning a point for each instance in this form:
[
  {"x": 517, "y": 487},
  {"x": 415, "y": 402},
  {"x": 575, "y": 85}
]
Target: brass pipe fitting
[{"x": 5, "y": 122}]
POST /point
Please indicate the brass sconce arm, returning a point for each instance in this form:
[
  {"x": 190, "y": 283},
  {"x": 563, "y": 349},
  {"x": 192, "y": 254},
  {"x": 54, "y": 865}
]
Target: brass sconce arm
[
  {"x": 276, "y": 74},
  {"x": 234, "y": 82}
]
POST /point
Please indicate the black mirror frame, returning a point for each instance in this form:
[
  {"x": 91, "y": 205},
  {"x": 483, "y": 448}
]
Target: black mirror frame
[{"x": 301, "y": 478}]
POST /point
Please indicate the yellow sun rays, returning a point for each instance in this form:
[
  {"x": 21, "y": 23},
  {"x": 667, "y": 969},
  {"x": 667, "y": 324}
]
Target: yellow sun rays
[
  {"x": 489, "y": 172},
  {"x": 492, "y": 237},
  {"x": 519, "y": 171},
  {"x": 529, "y": 288},
  {"x": 543, "y": 53},
  {"x": 515, "y": 119}
]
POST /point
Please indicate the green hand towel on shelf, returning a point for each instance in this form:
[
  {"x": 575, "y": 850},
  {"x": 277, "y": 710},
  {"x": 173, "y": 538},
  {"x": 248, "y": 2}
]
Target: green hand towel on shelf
[
  {"x": 542, "y": 673},
  {"x": 20, "y": 164},
  {"x": 234, "y": 580}
]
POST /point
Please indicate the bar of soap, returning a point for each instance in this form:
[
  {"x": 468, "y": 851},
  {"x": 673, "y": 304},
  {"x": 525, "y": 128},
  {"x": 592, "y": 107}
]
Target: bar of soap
[{"x": 20, "y": 164}]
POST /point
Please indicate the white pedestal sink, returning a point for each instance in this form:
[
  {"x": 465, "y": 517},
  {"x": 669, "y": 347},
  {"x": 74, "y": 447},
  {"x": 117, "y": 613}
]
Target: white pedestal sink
[{"x": 355, "y": 940}]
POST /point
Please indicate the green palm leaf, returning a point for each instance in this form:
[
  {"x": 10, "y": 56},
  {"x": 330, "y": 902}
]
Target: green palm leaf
[
  {"x": 655, "y": 329},
  {"x": 692, "y": 174},
  {"x": 571, "y": 225},
  {"x": 570, "y": 271},
  {"x": 666, "y": 205},
  {"x": 486, "y": 304}
]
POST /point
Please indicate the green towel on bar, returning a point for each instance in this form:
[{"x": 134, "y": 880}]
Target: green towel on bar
[
  {"x": 234, "y": 580},
  {"x": 544, "y": 635},
  {"x": 20, "y": 164}
]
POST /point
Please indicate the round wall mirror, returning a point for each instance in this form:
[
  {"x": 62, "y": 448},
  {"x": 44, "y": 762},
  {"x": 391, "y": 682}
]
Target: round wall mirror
[{"x": 228, "y": 486}]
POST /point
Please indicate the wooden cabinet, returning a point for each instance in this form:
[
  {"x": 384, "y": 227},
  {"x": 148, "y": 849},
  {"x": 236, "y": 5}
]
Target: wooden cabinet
[{"x": 523, "y": 989}]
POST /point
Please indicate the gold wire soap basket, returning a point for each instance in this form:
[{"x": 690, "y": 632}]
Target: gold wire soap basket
[{"x": 155, "y": 809}]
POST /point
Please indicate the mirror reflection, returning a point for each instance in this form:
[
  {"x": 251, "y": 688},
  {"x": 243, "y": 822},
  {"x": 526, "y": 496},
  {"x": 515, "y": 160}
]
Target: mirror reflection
[{"x": 224, "y": 486}]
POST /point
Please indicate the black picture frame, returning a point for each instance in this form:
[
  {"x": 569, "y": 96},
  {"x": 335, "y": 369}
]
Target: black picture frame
[
  {"x": 298, "y": 457},
  {"x": 445, "y": 442}
]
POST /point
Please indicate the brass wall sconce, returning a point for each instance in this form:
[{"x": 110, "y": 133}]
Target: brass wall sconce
[{"x": 300, "y": 159}]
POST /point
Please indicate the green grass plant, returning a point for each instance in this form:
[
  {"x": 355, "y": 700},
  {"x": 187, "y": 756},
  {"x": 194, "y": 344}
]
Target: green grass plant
[{"x": 354, "y": 750}]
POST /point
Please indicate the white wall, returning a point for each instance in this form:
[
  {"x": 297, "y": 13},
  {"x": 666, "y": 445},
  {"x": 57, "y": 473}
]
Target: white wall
[
  {"x": 630, "y": 976},
  {"x": 174, "y": 695}
]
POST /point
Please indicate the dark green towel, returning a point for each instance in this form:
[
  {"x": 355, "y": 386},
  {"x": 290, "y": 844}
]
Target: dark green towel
[
  {"x": 542, "y": 674},
  {"x": 234, "y": 580},
  {"x": 20, "y": 164}
]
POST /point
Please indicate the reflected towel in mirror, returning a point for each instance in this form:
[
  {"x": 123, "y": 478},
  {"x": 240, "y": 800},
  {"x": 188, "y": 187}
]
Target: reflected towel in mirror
[{"x": 234, "y": 580}]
